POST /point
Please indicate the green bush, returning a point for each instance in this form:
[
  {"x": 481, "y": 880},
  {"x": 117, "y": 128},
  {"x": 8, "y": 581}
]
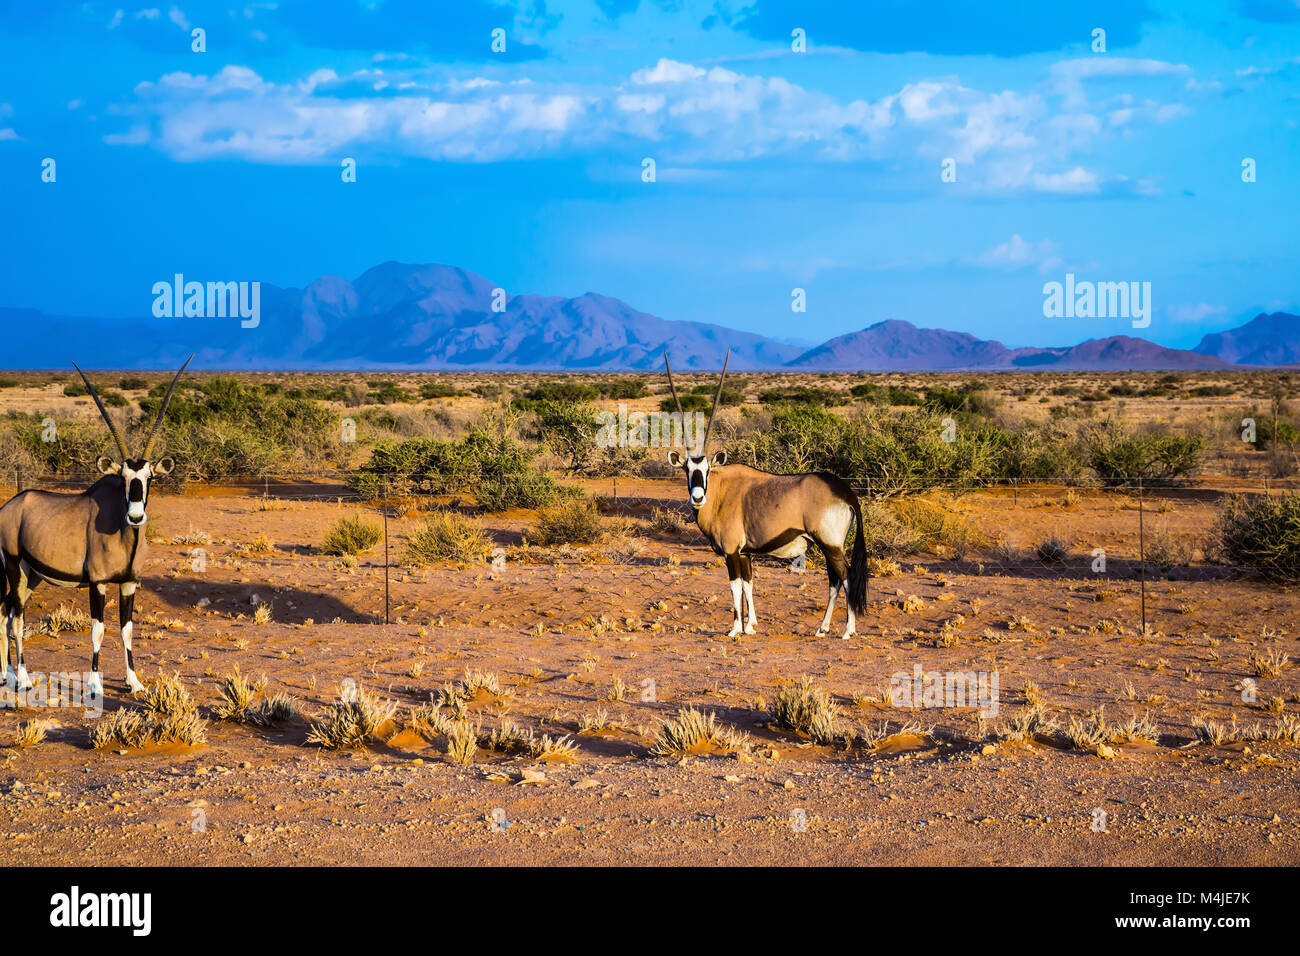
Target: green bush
[
  {"x": 803, "y": 395},
  {"x": 438, "y": 390},
  {"x": 569, "y": 430},
  {"x": 691, "y": 402},
  {"x": 895, "y": 452},
  {"x": 970, "y": 399},
  {"x": 225, "y": 427},
  {"x": 1264, "y": 534},
  {"x": 498, "y": 471},
  {"x": 1120, "y": 458},
  {"x": 621, "y": 389}
]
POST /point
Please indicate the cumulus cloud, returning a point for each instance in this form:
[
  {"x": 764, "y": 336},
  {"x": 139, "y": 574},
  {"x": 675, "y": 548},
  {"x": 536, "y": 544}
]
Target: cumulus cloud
[
  {"x": 1016, "y": 253},
  {"x": 678, "y": 112}
]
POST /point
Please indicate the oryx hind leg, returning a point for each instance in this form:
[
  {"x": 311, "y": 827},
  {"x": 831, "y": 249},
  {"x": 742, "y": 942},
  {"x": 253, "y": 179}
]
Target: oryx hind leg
[
  {"x": 126, "y": 616},
  {"x": 98, "y": 601},
  {"x": 747, "y": 588},
  {"x": 837, "y": 573}
]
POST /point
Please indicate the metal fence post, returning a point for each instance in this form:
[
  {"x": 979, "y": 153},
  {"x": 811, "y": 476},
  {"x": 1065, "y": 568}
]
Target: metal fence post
[
  {"x": 1142, "y": 552},
  {"x": 386, "y": 599}
]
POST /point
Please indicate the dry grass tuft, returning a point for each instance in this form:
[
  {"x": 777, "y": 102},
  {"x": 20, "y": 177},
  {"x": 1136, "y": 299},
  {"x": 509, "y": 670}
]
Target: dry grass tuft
[
  {"x": 352, "y": 536},
  {"x": 31, "y": 733},
  {"x": 445, "y": 536},
  {"x": 693, "y": 731},
  {"x": 807, "y": 710},
  {"x": 355, "y": 719}
]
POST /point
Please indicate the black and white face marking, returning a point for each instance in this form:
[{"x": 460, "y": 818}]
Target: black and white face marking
[
  {"x": 137, "y": 473},
  {"x": 697, "y": 474},
  {"x": 135, "y": 478}
]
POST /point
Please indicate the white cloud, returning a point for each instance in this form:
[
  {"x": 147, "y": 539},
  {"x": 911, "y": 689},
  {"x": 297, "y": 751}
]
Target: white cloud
[
  {"x": 177, "y": 17},
  {"x": 1070, "y": 77},
  {"x": 1073, "y": 181},
  {"x": 1195, "y": 312},
  {"x": 8, "y": 133},
  {"x": 685, "y": 115},
  {"x": 152, "y": 13},
  {"x": 1016, "y": 253}
]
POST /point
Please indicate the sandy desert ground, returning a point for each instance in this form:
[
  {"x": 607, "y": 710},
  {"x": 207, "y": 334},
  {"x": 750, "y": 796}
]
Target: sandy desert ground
[{"x": 564, "y": 630}]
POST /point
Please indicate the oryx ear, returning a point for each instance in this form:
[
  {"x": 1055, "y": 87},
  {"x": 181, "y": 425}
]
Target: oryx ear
[
  {"x": 107, "y": 466},
  {"x": 675, "y": 459},
  {"x": 720, "y": 457},
  {"x": 163, "y": 466}
]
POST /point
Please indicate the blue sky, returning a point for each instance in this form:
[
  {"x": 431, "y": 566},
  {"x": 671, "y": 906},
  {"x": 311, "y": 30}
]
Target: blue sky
[{"x": 775, "y": 169}]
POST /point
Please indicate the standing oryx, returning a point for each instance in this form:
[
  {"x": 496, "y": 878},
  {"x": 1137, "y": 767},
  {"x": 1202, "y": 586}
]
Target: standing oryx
[
  {"x": 744, "y": 511},
  {"x": 90, "y": 540}
]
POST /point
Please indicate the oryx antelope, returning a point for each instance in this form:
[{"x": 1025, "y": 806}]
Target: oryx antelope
[
  {"x": 90, "y": 540},
  {"x": 743, "y": 511}
]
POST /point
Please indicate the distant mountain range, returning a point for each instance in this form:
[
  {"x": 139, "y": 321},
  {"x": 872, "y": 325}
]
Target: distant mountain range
[{"x": 437, "y": 317}]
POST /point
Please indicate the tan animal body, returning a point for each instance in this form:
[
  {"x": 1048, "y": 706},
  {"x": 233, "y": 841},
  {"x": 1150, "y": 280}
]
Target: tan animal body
[
  {"x": 743, "y": 512},
  {"x": 92, "y": 540}
]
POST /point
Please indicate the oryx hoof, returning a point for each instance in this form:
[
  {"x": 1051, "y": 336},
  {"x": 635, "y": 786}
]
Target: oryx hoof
[
  {"x": 750, "y": 629},
  {"x": 95, "y": 685},
  {"x": 133, "y": 684},
  {"x": 847, "y": 634},
  {"x": 821, "y": 632},
  {"x": 22, "y": 681},
  {"x": 734, "y": 631}
]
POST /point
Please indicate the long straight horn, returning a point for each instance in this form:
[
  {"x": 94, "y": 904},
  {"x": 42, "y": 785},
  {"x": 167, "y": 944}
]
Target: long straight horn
[
  {"x": 716, "y": 398},
  {"x": 167, "y": 400},
  {"x": 673, "y": 387},
  {"x": 117, "y": 435}
]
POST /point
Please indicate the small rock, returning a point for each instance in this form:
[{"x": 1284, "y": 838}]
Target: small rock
[
  {"x": 1105, "y": 753},
  {"x": 988, "y": 749}
]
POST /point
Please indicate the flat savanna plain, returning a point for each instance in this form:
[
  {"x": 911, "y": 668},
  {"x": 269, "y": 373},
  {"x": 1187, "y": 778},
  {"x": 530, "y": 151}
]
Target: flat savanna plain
[
  {"x": 559, "y": 635},
  {"x": 604, "y": 643}
]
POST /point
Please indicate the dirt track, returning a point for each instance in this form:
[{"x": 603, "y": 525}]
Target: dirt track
[{"x": 266, "y": 797}]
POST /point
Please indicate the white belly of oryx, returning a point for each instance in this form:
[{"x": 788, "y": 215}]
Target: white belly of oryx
[{"x": 792, "y": 550}]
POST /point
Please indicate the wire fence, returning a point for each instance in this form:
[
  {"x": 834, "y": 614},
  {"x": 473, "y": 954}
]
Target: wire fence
[{"x": 1108, "y": 538}]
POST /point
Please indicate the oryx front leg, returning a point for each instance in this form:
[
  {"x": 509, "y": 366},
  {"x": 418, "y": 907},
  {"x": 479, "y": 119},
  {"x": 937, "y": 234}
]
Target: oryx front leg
[
  {"x": 19, "y": 595},
  {"x": 98, "y": 601},
  {"x": 747, "y": 577},
  {"x": 737, "y": 590},
  {"x": 126, "y": 616}
]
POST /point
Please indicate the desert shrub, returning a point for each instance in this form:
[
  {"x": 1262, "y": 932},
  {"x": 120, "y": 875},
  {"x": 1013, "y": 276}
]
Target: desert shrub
[
  {"x": 804, "y": 395},
  {"x": 894, "y": 452},
  {"x": 1120, "y": 458},
  {"x": 352, "y": 535},
  {"x": 387, "y": 392},
  {"x": 497, "y": 470},
  {"x": 77, "y": 443},
  {"x": 438, "y": 390},
  {"x": 569, "y": 430},
  {"x": 445, "y": 536},
  {"x": 1264, "y": 534},
  {"x": 561, "y": 391},
  {"x": 670, "y": 521},
  {"x": 226, "y": 427},
  {"x": 972, "y": 399},
  {"x": 570, "y": 522},
  {"x": 691, "y": 402},
  {"x": 621, "y": 389}
]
